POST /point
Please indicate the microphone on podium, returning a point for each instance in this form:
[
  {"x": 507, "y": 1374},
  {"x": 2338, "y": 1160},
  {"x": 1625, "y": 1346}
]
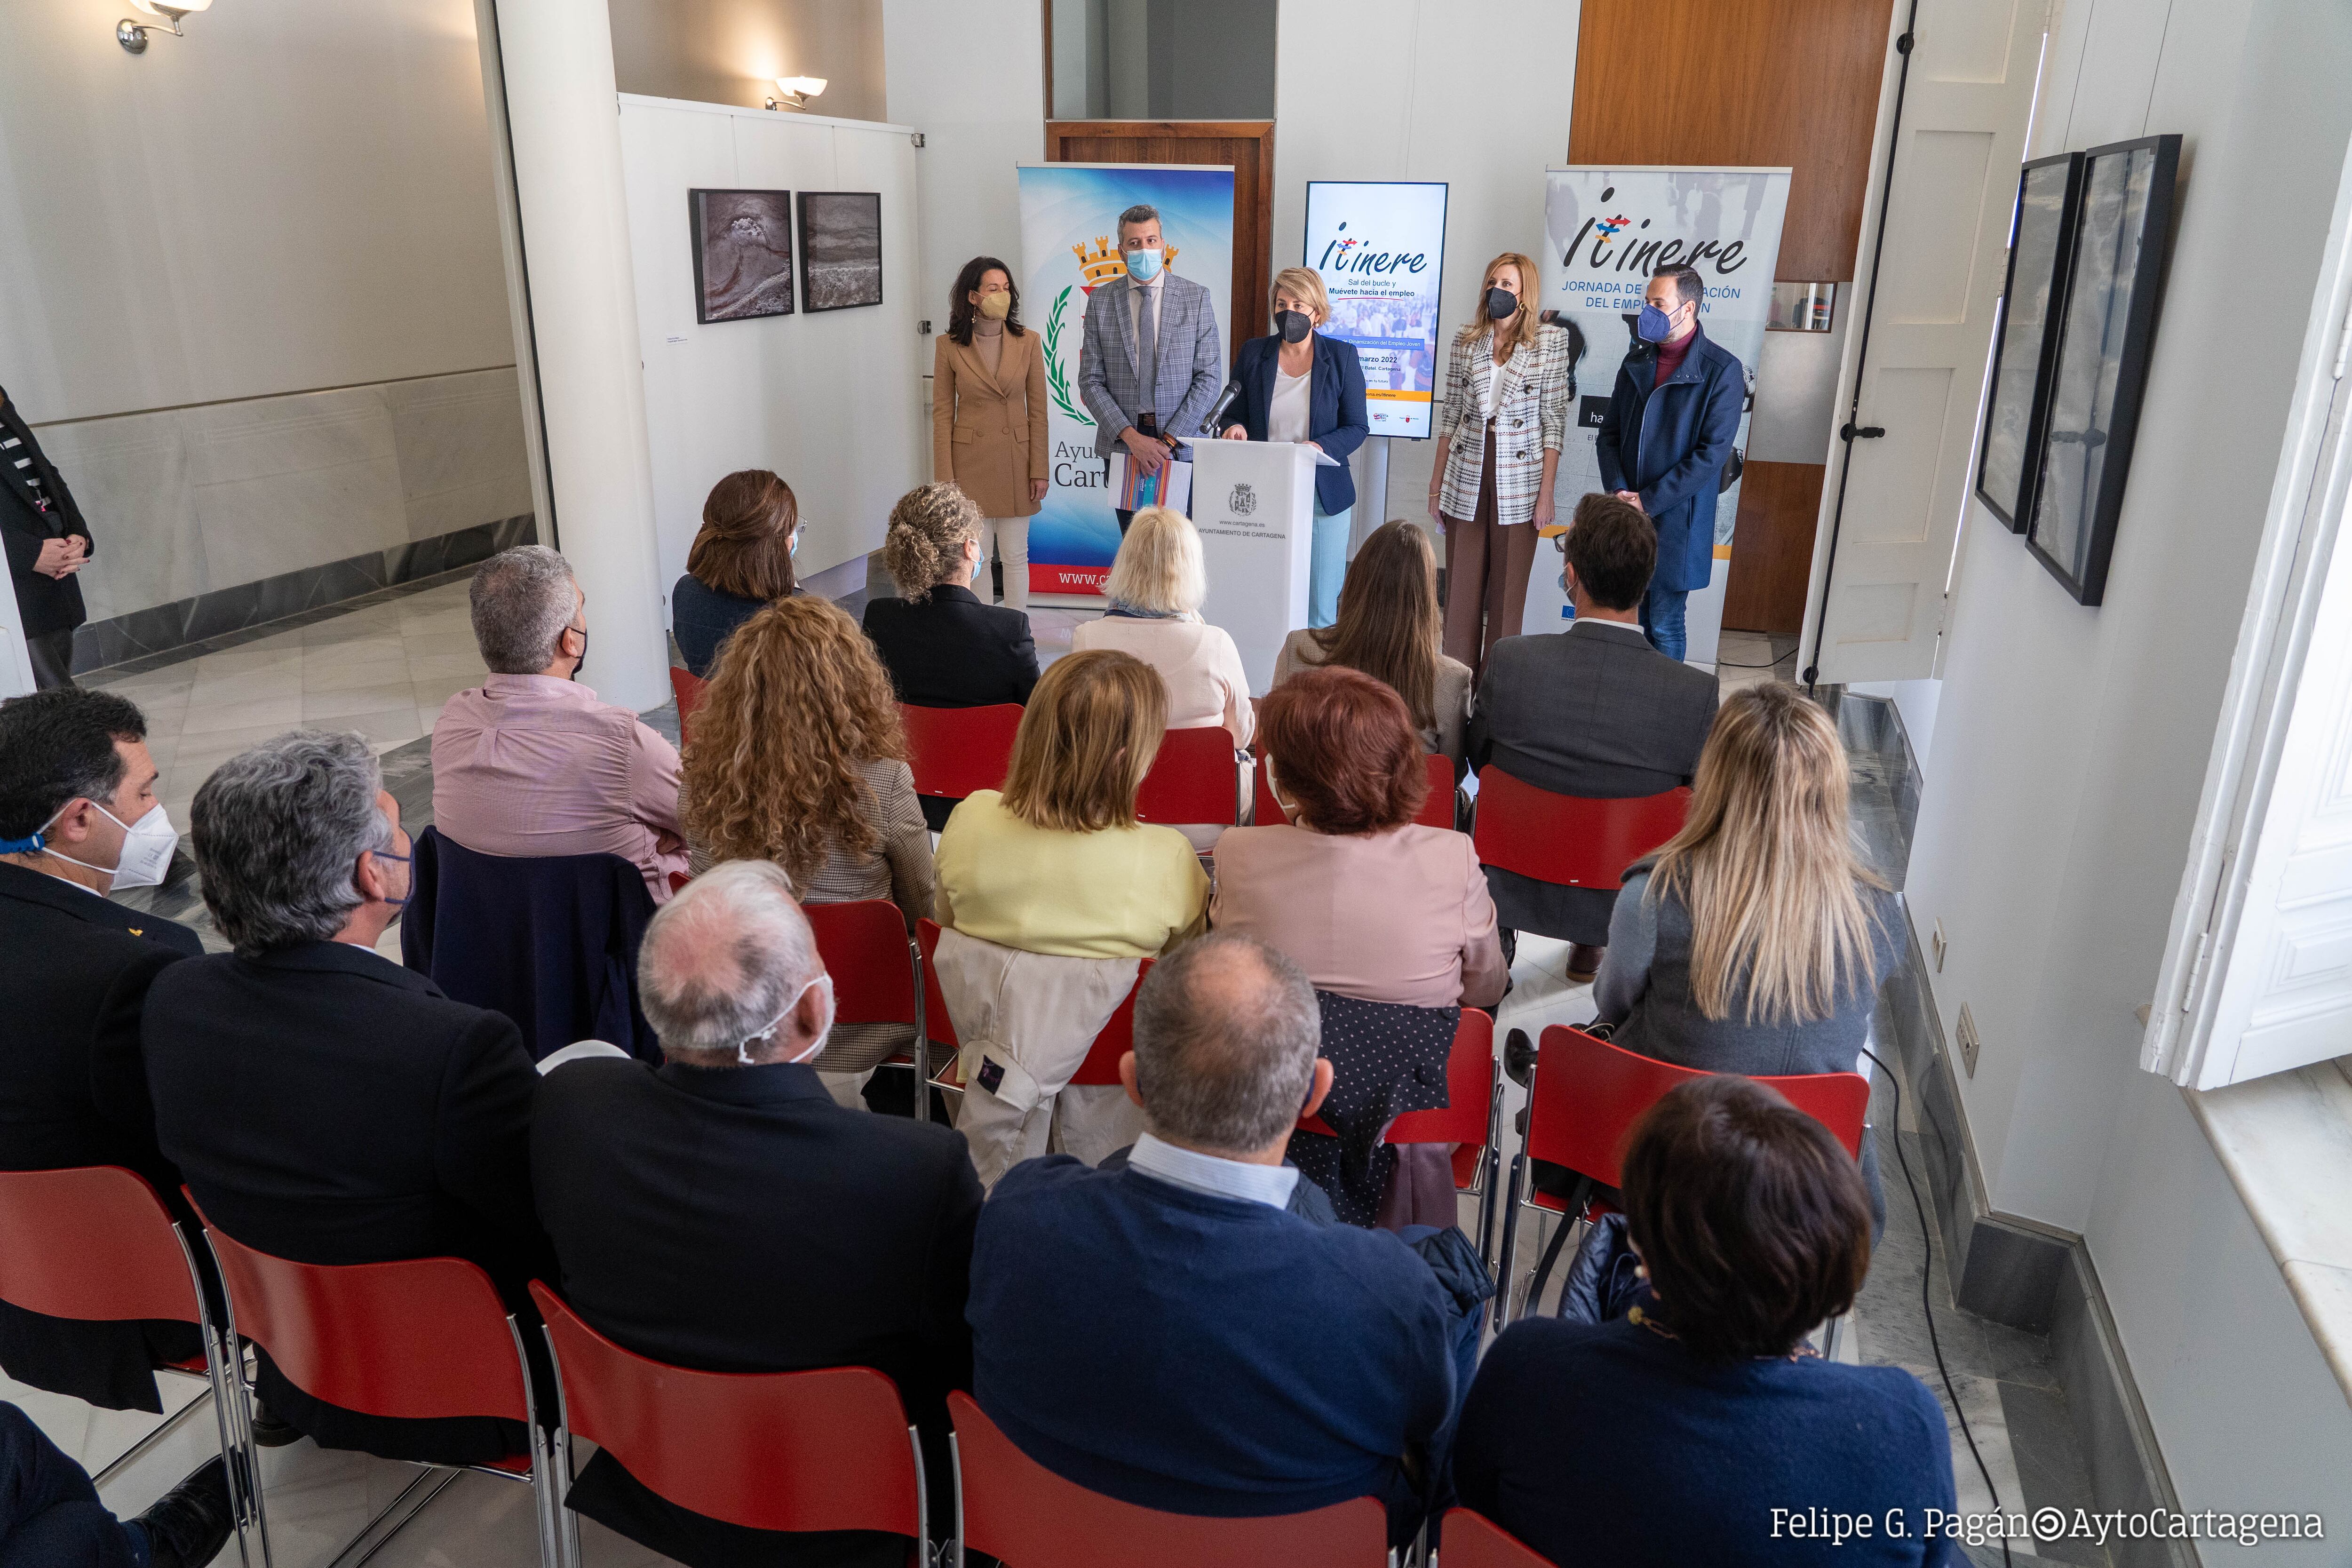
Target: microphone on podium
[{"x": 1217, "y": 410}]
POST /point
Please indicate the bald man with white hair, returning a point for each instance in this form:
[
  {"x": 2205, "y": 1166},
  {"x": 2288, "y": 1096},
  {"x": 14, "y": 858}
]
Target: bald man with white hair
[{"x": 721, "y": 1212}]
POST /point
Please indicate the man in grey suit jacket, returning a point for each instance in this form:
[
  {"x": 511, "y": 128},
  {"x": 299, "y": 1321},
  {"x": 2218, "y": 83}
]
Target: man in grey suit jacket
[
  {"x": 1149, "y": 364},
  {"x": 1592, "y": 711}
]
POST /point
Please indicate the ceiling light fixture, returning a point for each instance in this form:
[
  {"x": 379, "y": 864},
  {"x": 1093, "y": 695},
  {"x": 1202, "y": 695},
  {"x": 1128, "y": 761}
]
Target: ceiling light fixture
[{"x": 132, "y": 35}]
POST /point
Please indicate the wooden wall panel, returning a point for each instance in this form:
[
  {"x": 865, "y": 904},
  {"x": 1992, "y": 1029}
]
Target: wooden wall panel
[
  {"x": 1760, "y": 83},
  {"x": 1773, "y": 548},
  {"x": 1246, "y": 144}
]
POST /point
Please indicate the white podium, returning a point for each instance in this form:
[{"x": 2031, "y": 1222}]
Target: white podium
[{"x": 1253, "y": 503}]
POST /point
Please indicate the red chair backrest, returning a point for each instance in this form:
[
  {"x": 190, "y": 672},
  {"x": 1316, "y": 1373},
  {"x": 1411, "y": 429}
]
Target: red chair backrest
[
  {"x": 935, "y": 1021},
  {"x": 786, "y": 1450},
  {"x": 1589, "y": 1093},
  {"x": 864, "y": 946},
  {"x": 1117, "y": 1038},
  {"x": 1436, "y": 811},
  {"x": 1015, "y": 1509},
  {"x": 1469, "y": 1091},
  {"x": 1194, "y": 779},
  {"x": 1565, "y": 838},
  {"x": 956, "y": 750},
  {"x": 1473, "y": 1541},
  {"x": 94, "y": 1242},
  {"x": 419, "y": 1339},
  {"x": 687, "y": 687}
]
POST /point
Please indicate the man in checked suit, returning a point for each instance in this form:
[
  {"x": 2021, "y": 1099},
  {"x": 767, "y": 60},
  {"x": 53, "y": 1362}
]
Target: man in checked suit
[
  {"x": 47, "y": 543},
  {"x": 1593, "y": 712},
  {"x": 1149, "y": 364}
]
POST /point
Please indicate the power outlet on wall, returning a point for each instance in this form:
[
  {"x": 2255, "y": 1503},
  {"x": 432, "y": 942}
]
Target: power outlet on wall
[
  {"x": 1970, "y": 1042},
  {"x": 1936, "y": 941}
]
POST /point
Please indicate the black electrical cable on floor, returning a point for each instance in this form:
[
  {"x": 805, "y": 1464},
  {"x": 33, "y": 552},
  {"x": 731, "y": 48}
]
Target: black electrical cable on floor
[{"x": 1927, "y": 1303}]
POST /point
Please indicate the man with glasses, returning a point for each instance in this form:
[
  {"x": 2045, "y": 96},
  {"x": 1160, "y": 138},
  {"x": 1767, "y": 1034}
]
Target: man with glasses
[
  {"x": 1149, "y": 364},
  {"x": 1666, "y": 437}
]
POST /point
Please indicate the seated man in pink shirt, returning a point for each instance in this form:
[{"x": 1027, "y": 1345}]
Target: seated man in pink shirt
[{"x": 529, "y": 763}]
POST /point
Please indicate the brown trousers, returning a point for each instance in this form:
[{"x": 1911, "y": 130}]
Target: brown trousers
[{"x": 1486, "y": 567}]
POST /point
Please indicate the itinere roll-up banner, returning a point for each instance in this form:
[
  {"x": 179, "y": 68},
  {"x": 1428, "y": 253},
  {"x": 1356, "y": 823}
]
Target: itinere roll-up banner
[
  {"x": 1380, "y": 249},
  {"x": 1606, "y": 230},
  {"x": 1069, "y": 249}
]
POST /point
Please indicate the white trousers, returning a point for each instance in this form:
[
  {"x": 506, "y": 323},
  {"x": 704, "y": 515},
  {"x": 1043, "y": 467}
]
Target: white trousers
[
  {"x": 1088, "y": 1120},
  {"x": 1007, "y": 538}
]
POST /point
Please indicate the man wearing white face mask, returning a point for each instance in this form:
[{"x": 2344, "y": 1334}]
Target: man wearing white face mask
[
  {"x": 721, "y": 1212},
  {"x": 1149, "y": 364},
  {"x": 74, "y": 770}
]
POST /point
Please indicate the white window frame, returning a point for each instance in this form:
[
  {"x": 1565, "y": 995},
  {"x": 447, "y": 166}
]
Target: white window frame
[{"x": 2257, "y": 972}]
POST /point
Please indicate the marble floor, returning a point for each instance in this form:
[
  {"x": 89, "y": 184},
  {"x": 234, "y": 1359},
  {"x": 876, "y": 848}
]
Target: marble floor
[{"x": 383, "y": 665}]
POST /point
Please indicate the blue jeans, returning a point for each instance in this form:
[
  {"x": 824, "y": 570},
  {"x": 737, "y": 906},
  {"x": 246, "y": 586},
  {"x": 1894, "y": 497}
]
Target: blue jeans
[
  {"x": 1662, "y": 619},
  {"x": 1327, "y": 566}
]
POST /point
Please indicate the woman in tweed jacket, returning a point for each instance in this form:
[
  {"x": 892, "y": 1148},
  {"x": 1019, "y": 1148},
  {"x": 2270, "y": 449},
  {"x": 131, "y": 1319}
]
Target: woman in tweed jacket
[{"x": 1507, "y": 386}]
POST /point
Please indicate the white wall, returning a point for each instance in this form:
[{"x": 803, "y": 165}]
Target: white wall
[
  {"x": 980, "y": 106},
  {"x": 295, "y": 195},
  {"x": 1348, "y": 107},
  {"x": 830, "y": 399},
  {"x": 2071, "y": 745},
  {"x": 250, "y": 286},
  {"x": 733, "y": 51}
]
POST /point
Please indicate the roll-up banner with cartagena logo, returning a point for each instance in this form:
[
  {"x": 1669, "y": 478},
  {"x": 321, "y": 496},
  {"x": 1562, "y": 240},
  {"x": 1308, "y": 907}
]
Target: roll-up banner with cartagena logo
[
  {"x": 1380, "y": 250},
  {"x": 1605, "y": 231},
  {"x": 1069, "y": 249}
]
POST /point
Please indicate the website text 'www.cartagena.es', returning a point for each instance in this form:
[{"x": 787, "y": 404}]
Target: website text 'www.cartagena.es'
[{"x": 2044, "y": 1525}]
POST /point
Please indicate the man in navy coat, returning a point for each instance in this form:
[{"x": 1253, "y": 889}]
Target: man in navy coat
[{"x": 1666, "y": 438}]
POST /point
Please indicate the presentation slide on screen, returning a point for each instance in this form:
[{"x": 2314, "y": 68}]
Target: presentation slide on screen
[
  {"x": 1381, "y": 248},
  {"x": 1605, "y": 231},
  {"x": 1069, "y": 249}
]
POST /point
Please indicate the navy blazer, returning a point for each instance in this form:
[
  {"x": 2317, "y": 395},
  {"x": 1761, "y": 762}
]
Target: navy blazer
[
  {"x": 1670, "y": 443},
  {"x": 1335, "y": 420}
]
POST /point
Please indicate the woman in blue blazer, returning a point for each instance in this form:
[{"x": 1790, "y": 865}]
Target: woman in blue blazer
[{"x": 1299, "y": 385}]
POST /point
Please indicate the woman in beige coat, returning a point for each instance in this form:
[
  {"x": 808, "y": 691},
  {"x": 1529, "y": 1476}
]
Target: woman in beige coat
[{"x": 988, "y": 414}]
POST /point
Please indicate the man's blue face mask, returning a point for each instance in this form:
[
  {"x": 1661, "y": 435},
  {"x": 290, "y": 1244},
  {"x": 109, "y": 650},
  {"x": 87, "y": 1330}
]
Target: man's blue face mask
[
  {"x": 1654, "y": 325},
  {"x": 401, "y": 902}
]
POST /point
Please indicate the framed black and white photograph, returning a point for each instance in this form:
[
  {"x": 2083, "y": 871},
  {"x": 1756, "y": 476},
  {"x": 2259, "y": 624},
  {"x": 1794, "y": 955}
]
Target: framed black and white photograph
[
  {"x": 2100, "y": 366},
  {"x": 2024, "y": 346},
  {"x": 743, "y": 254},
  {"x": 841, "y": 250}
]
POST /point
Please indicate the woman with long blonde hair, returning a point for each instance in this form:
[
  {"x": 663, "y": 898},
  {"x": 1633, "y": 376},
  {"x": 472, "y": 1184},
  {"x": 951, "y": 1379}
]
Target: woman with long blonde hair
[
  {"x": 1391, "y": 627},
  {"x": 1756, "y": 941},
  {"x": 798, "y": 757},
  {"x": 1508, "y": 385}
]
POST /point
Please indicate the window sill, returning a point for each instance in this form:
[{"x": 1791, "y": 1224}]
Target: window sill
[{"x": 2286, "y": 1143}]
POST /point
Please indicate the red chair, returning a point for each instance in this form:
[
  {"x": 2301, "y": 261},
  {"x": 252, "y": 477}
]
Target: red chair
[
  {"x": 957, "y": 750},
  {"x": 96, "y": 1244},
  {"x": 1194, "y": 778},
  {"x": 1473, "y": 1541},
  {"x": 687, "y": 687},
  {"x": 1585, "y": 1099},
  {"x": 1011, "y": 1507},
  {"x": 1436, "y": 811},
  {"x": 424, "y": 1339},
  {"x": 788, "y": 1450},
  {"x": 1472, "y": 1086},
  {"x": 1117, "y": 1038},
  {"x": 1566, "y": 839},
  {"x": 876, "y": 973}
]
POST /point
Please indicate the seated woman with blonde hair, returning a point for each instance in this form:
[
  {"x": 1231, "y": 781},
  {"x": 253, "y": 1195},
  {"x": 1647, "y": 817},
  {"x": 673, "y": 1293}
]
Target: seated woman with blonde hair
[
  {"x": 1390, "y": 626},
  {"x": 797, "y": 756},
  {"x": 1050, "y": 893},
  {"x": 1157, "y": 585}
]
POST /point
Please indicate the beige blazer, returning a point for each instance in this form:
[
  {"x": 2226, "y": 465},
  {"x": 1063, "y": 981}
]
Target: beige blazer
[
  {"x": 988, "y": 432},
  {"x": 1452, "y": 697}
]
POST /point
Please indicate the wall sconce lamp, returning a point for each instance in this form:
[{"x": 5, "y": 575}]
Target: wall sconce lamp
[
  {"x": 132, "y": 35},
  {"x": 796, "y": 89}
]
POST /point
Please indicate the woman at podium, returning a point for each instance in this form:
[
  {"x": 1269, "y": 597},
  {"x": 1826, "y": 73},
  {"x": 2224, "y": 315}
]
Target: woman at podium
[{"x": 1299, "y": 385}]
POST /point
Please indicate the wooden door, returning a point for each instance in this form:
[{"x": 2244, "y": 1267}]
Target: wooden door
[
  {"x": 1772, "y": 548},
  {"x": 1246, "y": 144}
]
